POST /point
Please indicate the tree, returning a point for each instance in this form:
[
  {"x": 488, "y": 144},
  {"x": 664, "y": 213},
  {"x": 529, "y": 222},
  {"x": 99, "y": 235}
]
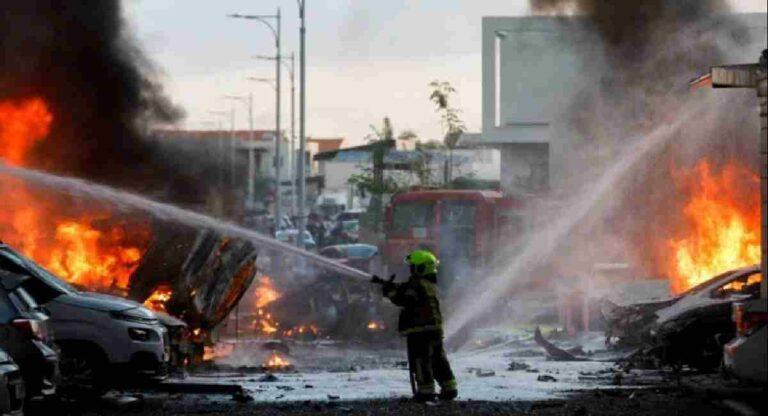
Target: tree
[{"x": 449, "y": 116}]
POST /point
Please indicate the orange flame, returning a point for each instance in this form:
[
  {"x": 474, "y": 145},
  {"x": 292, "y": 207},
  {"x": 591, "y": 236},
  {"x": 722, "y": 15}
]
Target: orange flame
[
  {"x": 82, "y": 244},
  {"x": 264, "y": 323},
  {"x": 159, "y": 298},
  {"x": 301, "y": 330},
  {"x": 724, "y": 231},
  {"x": 265, "y": 292},
  {"x": 376, "y": 326},
  {"x": 276, "y": 361},
  {"x": 218, "y": 351},
  {"x": 23, "y": 124}
]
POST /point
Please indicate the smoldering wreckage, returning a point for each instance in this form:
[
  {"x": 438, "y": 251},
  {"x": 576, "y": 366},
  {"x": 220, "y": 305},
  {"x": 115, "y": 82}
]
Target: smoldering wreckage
[{"x": 106, "y": 290}]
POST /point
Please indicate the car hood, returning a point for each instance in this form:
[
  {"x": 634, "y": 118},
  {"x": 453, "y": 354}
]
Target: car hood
[
  {"x": 685, "y": 305},
  {"x": 98, "y": 301}
]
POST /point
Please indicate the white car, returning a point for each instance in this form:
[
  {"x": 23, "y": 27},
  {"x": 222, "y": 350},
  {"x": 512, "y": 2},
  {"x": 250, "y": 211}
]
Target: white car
[{"x": 103, "y": 339}]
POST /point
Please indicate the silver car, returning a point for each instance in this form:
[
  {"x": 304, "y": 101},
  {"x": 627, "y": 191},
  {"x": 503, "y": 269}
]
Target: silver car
[{"x": 103, "y": 339}]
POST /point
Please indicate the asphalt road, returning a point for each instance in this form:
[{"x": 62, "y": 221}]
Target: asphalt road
[{"x": 667, "y": 402}]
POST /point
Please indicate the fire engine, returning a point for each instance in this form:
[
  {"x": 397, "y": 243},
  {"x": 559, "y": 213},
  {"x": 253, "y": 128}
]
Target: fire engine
[{"x": 464, "y": 228}]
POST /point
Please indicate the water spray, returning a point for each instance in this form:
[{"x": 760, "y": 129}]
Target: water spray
[{"x": 173, "y": 213}]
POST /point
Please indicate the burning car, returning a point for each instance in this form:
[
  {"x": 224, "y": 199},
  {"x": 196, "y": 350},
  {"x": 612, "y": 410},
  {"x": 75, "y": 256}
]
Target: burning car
[
  {"x": 97, "y": 334},
  {"x": 690, "y": 328}
]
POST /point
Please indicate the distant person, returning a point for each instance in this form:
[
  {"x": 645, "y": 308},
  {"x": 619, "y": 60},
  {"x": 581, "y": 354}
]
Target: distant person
[
  {"x": 317, "y": 229},
  {"x": 422, "y": 324}
]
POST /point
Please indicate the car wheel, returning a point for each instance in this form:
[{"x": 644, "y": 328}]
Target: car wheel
[{"x": 82, "y": 372}]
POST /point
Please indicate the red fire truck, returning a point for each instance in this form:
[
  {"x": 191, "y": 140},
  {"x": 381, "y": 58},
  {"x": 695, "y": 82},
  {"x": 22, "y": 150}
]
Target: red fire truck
[{"x": 465, "y": 228}]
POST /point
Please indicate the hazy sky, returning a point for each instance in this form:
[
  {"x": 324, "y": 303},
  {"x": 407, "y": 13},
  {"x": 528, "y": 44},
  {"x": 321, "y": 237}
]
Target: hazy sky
[{"x": 366, "y": 59}]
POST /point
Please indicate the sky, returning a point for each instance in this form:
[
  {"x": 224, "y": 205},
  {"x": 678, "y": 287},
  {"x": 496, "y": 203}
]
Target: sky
[{"x": 366, "y": 59}]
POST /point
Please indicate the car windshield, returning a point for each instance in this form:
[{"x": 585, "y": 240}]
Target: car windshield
[
  {"x": 361, "y": 251},
  {"x": 410, "y": 215},
  {"x": 704, "y": 285}
]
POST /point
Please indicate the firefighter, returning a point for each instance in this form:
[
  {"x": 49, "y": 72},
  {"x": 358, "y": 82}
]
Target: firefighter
[{"x": 422, "y": 324}]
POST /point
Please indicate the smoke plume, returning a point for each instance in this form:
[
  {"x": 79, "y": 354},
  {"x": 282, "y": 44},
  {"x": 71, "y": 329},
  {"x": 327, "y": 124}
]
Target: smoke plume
[
  {"x": 102, "y": 91},
  {"x": 642, "y": 54}
]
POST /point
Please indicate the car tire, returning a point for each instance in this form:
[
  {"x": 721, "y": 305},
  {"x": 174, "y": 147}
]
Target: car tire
[{"x": 83, "y": 371}]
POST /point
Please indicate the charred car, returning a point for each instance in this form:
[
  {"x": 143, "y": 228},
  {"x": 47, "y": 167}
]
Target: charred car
[{"x": 689, "y": 329}]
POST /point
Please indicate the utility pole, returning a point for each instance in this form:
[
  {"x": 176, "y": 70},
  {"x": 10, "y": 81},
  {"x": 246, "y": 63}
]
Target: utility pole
[
  {"x": 290, "y": 65},
  {"x": 265, "y": 19},
  {"x": 232, "y": 146},
  {"x": 220, "y": 131},
  {"x": 302, "y": 123},
  {"x": 247, "y": 100}
]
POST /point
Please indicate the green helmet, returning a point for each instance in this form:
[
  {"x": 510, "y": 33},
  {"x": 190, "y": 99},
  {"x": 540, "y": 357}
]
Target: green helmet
[{"x": 422, "y": 262}]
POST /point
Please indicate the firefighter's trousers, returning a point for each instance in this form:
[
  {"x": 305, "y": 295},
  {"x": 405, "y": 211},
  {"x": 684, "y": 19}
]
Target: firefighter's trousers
[{"x": 428, "y": 362}]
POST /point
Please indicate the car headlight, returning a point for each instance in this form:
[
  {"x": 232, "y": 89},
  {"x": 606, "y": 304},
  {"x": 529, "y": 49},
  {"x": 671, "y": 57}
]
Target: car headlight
[
  {"x": 140, "y": 334},
  {"x": 135, "y": 315}
]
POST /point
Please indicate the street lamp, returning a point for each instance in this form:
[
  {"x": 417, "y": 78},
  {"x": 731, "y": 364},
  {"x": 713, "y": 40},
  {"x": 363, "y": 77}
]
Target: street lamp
[
  {"x": 302, "y": 120},
  {"x": 289, "y": 63},
  {"x": 220, "y": 114},
  {"x": 265, "y": 19},
  {"x": 251, "y": 184}
]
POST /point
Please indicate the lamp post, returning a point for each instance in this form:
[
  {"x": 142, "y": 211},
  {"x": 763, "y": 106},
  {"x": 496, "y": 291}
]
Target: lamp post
[
  {"x": 250, "y": 183},
  {"x": 290, "y": 65},
  {"x": 302, "y": 122},
  {"x": 220, "y": 130},
  {"x": 265, "y": 19}
]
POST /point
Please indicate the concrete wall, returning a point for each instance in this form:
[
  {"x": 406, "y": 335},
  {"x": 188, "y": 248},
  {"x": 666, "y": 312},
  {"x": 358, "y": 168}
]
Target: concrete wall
[{"x": 530, "y": 67}]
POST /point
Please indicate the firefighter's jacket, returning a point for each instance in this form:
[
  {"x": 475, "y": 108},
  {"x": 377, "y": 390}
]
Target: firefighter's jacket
[{"x": 419, "y": 302}]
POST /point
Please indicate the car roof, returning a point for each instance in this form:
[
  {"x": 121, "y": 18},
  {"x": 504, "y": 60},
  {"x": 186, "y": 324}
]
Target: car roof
[{"x": 344, "y": 246}]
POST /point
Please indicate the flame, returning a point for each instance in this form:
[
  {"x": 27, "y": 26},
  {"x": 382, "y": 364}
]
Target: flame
[
  {"x": 300, "y": 330},
  {"x": 81, "y": 243},
  {"x": 23, "y": 124},
  {"x": 159, "y": 298},
  {"x": 265, "y": 323},
  {"x": 276, "y": 361},
  {"x": 218, "y": 350},
  {"x": 265, "y": 292},
  {"x": 723, "y": 213},
  {"x": 376, "y": 326}
]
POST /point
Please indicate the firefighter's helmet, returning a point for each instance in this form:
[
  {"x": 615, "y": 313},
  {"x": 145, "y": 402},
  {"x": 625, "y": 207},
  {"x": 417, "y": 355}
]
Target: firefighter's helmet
[{"x": 422, "y": 262}]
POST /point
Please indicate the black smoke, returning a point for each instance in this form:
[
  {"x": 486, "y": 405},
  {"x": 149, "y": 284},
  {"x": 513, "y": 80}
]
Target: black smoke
[{"x": 102, "y": 90}]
